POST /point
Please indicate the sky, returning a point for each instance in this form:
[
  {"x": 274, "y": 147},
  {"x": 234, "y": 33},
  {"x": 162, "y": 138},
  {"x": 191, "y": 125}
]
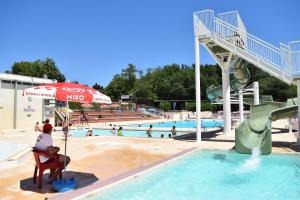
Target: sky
[{"x": 92, "y": 40}]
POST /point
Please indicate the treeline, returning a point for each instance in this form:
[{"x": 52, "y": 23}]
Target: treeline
[
  {"x": 168, "y": 82},
  {"x": 177, "y": 82}
]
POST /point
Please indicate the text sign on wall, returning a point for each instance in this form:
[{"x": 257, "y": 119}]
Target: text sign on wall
[{"x": 124, "y": 97}]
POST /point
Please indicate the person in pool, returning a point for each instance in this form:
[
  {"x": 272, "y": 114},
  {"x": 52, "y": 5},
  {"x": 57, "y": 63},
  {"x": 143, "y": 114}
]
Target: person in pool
[
  {"x": 120, "y": 131},
  {"x": 173, "y": 131},
  {"x": 114, "y": 131},
  {"x": 149, "y": 131},
  {"x": 89, "y": 133}
]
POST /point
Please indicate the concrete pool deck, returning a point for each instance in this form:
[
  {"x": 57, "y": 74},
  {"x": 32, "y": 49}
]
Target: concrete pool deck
[{"x": 98, "y": 158}]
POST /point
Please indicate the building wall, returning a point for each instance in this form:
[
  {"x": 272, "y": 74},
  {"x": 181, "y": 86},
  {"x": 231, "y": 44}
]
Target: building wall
[
  {"x": 6, "y": 109},
  {"x": 29, "y": 111}
]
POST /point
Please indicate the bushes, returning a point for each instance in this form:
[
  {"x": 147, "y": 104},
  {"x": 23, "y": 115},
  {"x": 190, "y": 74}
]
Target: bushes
[
  {"x": 205, "y": 106},
  {"x": 165, "y": 105}
]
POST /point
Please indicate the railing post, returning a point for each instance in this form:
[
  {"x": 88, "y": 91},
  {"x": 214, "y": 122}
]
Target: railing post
[
  {"x": 241, "y": 105},
  {"x": 256, "y": 93},
  {"x": 298, "y": 96}
]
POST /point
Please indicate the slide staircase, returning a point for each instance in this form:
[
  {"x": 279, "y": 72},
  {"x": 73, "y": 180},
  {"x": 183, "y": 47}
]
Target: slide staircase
[{"x": 226, "y": 33}]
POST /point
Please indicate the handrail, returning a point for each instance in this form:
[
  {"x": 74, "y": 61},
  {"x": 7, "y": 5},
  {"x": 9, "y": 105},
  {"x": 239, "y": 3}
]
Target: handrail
[
  {"x": 248, "y": 34},
  {"x": 259, "y": 48}
]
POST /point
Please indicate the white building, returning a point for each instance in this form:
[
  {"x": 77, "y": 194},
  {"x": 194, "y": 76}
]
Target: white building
[{"x": 17, "y": 111}]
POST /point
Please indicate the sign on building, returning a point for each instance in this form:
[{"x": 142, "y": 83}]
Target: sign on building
[{"x": 125, "y": 97}]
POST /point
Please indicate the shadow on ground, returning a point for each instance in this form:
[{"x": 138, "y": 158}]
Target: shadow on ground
[
  {"x": 205, "y": 136},
  {"x": 289, "y": 145},
  {"x": 211, "y": 136},
  {"x": 83, "y": 179}
]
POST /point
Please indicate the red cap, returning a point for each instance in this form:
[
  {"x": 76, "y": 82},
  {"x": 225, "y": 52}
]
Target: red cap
[{"x": 47, "y": 128}]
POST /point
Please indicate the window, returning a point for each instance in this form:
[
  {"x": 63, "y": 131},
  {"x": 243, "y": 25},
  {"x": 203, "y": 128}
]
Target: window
[{"x": 6, "y": 84}]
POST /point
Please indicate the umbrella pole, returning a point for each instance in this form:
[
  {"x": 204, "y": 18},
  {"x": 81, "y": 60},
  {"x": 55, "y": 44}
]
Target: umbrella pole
[{"x": 66, "y": 137}]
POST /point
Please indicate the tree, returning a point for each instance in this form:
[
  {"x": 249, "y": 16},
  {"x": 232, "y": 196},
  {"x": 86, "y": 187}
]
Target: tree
[
  {"x": 129, "y": 75},
  {"x": 190, "y": 106},
  {"x": 75, "y": 105},
  {"x": 38, "y": 68},
  {"x": 98, "y": 87},
  {"x": 170, "y": 82},
  {"x": 116, "y": 87},
  {"x": 165, "y": 105}
]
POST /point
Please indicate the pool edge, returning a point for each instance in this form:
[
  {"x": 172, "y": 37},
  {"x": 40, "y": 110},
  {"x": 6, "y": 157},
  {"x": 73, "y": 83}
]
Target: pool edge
[{"x": 100, "y": 185}]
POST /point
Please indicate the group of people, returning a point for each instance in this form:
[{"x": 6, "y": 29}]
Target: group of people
[
  {"x": 173, "y": 132},
  {"x": 44, "y": 142},
  {"x": 83, "y": 118},
  {"x": 118, "y": 132}
]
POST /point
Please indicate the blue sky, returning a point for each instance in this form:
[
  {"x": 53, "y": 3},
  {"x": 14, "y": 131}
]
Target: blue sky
[{"x": 91, "y": 40}]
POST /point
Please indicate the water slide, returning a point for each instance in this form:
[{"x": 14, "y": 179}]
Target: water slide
[
  {"x": 256, "y": 131},
  {"x": 240, "y": 78}
]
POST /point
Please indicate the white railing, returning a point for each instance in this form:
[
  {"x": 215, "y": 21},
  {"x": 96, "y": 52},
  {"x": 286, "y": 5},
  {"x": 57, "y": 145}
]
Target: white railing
[
  {"x": 295, "y": 56},
  {"x": 230, "y": 28}
]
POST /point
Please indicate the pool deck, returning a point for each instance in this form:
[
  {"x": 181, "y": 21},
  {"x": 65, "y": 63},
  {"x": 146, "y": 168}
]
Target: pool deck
[{"x": 96, "y": 159}]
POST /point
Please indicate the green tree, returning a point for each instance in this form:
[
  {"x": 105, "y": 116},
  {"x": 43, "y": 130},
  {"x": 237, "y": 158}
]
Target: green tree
[
  {"x": 165, "y": 105},
  {"x": 122, "y": 84},
  {"x": 75, "y": 105},
  {"x": 190, "y": 106},
  {"x": 38, "y": 68},
  {"x": 116, "y": 87},
  {"x": 98, "y": 87}
]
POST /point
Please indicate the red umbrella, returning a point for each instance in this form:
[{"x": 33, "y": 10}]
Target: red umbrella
[{"x": 67, "y": 92}]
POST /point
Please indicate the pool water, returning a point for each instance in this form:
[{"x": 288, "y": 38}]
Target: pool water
[
  {"x": 8, "y": 149},
  {"x": 184, "y": 124},
  {"x": 210, "y": 175},
  {"x": 126, "y": 133}
]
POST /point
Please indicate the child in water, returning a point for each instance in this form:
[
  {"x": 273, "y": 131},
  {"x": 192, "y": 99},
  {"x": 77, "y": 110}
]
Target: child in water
[
  {"x": 173, "y": 131},
  {"x": 120, "y": 131},
  {"x": 89, "y": 133},
  {"x": 114, "y": 130}
]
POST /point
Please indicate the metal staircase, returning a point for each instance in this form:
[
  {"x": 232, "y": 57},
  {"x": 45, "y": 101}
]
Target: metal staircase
[
  {"x": 60, "y": 114},
  {"x": 225, "y": 35}
]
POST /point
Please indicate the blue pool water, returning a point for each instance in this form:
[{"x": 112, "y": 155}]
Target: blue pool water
[
  {"x": 214, "y": 175},
  {"x": 8, "y": 149},
  {"x": 185, "y": 124},
  {"x": 126, "y": 133}
]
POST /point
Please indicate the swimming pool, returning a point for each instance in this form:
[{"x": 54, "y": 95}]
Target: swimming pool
[
  {"x": 126, "y": 133},
  {"x": 184, "y": 124},
  {"x": 213, "y": 175},
  {"x": 8, "y": 149}
]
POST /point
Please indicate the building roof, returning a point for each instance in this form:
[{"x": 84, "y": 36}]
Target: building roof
[{"x": 26, "y": 79}]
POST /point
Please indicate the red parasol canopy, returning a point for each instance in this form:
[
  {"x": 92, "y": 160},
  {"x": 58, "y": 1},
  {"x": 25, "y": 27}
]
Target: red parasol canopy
[{"x": 67, "y": 92}]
